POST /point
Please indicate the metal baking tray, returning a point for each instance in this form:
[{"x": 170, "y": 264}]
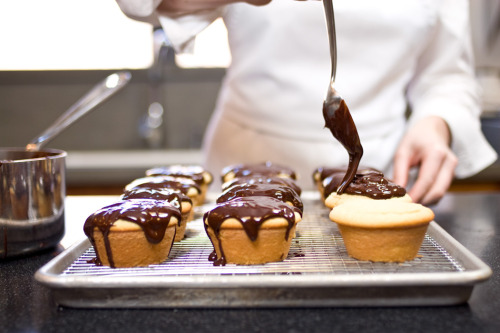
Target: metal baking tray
[{"x": 317, "y": 273}]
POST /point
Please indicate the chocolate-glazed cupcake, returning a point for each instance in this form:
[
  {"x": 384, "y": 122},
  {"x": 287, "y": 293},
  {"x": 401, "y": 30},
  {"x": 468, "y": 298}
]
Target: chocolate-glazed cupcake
[
  {"x": 197, "y": 173},
  {"x": 176, "y": 198},
  {"x": 283, "y": 193},
  {"x": 184, "y": 185},
  {"x": 260, "y": 169},
  {"x": 369, "y": 185},
  {"x": 251, "y": 230},
  {"x": 259, "y": 179},
  {"x": 133, "y": 233}
]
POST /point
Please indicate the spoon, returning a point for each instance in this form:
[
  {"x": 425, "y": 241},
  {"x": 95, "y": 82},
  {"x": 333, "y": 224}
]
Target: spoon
[
  {"x": 89, "y": 101},
  {"x": 337, "y": 116}
]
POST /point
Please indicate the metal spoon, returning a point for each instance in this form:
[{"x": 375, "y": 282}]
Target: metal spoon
[
  {"x": 337, "y": 116},
  {"x": 89, "y": 101}
]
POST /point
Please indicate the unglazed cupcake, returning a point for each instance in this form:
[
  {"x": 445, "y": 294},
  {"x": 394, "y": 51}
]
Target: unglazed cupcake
[
  {"x": 251, "y": 230},
  {"x": 197, "y": 173},
  {"x": 132, "y": 233},
  {"x": 382, "y": 231},
  {"x": 176, "y": 198}
]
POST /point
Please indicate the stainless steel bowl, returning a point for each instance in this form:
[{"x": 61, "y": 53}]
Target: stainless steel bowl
[{"x": 32, "y": 193}]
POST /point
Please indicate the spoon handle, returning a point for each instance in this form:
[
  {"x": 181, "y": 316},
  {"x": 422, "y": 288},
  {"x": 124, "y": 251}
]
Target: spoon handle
[
  {"x": 86, "y": 103},
  {"x": 330, "y": 23}
]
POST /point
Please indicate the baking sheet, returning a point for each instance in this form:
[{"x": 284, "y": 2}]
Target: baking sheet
[{"x": 317, "y": 272}]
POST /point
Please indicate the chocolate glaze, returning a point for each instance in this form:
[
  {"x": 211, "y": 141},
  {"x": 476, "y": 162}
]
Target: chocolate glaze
[
  {"x": 367, "y": 183},
  {"x": 153, "y": 216},
  {"x": 340, "y": 123},
  {"x": 261, "y": 169},
  {"x": 280, "y": 192},
  {"x": 251, "y": 212},
  {"x": 194, "y": 172},
  {"x": 173, "y": 197},
  {"x": 165, "y": 182},
  {"x": 259, "y": 179}
]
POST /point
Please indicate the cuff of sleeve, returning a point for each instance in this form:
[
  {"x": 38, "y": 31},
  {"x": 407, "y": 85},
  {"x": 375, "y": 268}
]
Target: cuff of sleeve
[
  {"x": 469, "y": 144},
  {"x": 182, "y": 30}
]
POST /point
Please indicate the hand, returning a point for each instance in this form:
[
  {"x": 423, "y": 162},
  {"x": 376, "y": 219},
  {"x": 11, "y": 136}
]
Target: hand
[
  {"x": 186, "y": 6},
  {"x": 427, "y": 145}
]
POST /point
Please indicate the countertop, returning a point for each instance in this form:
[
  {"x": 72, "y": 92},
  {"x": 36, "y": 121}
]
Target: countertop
[{"x": 471, "y": 218}]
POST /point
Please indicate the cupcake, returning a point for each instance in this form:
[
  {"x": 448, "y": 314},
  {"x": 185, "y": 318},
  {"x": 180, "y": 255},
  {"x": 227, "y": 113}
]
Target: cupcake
[
  {"x": 283, "y": 193},
  {"x": 132, "y": 233},
  {"x": 251, "y": 230},
  {"x": 197, "y": 173},
  {"x": 382, "y": 231},
  {"x": 368, "y": 185},
  {"x": 260, "y": 179},
  {"x": 176, "y": 198},
  {"x": 260, "y": 169},
  {"x": 184, "y": 185}
]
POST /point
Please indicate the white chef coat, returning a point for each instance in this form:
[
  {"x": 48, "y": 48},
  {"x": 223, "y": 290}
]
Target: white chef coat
[{"x": 392, "y": 55}]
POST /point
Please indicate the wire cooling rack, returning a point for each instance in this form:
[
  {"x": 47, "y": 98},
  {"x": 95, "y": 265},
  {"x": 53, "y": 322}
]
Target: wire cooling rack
[{"x": 317, "y": 272}]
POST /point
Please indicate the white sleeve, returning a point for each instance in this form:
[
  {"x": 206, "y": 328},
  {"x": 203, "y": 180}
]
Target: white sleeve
[
  {"x": 144, "y": 10},
  {"x": 445, "y": 86},
  {"x": 182, "y": 30}
]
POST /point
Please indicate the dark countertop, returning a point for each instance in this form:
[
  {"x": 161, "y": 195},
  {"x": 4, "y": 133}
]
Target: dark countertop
[{"x": 471, "y": 218}]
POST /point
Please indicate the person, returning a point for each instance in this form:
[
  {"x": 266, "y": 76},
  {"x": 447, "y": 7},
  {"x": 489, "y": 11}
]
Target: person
[{"x": 405, "y": 70}]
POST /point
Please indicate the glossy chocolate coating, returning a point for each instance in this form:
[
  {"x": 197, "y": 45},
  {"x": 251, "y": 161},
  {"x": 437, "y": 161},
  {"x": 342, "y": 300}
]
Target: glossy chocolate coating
[
  {"x": 174, "y": 197},
  {"x": 280, "y": 192},
  {"x": 261, "y": 169},
  {"x": 194, "y": 172},
  {"x": 341, "y": 125},
  {"x": 259, "y": 179},
  {"x": 367, "y": 183},
  {"x": 165, "y": 182},
  {"x": 153, "y": 216},
  {"x": 251, "y": 212}
]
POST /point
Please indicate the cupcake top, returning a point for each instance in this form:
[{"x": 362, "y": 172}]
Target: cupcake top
[
  {"x": 152, "y": 216},
  {"x": 261, "y": 169},
  {"x": 195, "y": 172},
  {"x": 184, "y": 185},
  {"x": 174, "y": 197},
  {"x": 280, "y": 192},
  {"x": 251, "y": 213},
  {"x": 381, "y": 214},
  {"x": 367, "y": 183},
  {"x": 261, "y": 179}
]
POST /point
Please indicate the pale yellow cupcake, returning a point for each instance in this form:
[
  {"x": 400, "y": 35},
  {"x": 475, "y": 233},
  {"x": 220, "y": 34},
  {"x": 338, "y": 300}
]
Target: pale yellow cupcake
[{"x": 387, "y": 231}]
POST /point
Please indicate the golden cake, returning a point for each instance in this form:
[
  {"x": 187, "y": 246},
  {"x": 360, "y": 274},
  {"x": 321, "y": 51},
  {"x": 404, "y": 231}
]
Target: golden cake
[
  {"x": 132, "y": 233},
  {"x": 378, "y": 230},
  {"x": 251, "y": 230}
]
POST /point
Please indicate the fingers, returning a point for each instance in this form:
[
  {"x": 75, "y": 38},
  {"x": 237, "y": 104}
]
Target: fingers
[
  {"x": 435, "y": 176},
  {"x": 402, "y": 167}
]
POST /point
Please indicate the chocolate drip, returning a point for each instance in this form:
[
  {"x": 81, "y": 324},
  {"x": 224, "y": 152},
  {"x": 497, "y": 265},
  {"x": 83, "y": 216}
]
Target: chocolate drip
[
  {"x": 263, "y": 180},
  {"x": 153, "y": 216},
  {"x": 282, "y": 193},
  {"x": 261, "y": 169},
  {"x": 251, "y": 212},
  {"x": 165, "y": 182},
  {"x": 340, "y": 123}
]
